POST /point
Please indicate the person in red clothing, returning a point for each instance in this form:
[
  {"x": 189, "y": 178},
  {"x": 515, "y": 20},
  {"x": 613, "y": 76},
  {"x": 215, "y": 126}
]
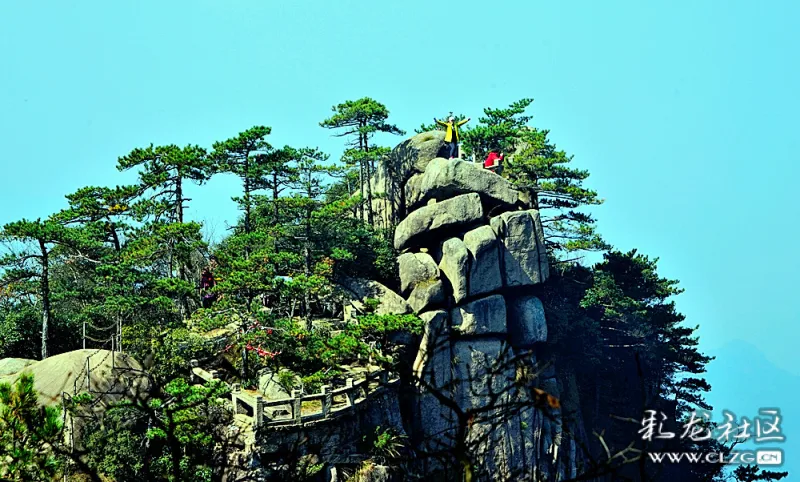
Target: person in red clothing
[
  {"x": 493, "y": 160},
  {"x": 208, "y": 282}
]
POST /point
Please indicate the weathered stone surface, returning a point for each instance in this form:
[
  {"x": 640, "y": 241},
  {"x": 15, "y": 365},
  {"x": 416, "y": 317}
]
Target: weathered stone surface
[
  {"x": 66, "y": 371},
  {"x": 522, "y": 252},
  {"x": 11, "y": 366},
  {"x": 426, "y": 294},
  {"x": 409, "y": 157},
  {"x": 481, "y": 317},
  {"x": 358, "y": 289},
  {"x": 413, "y": 155},
  {"x": 427, "y": 222},
  {"x": 455, "y": 265},
  {"x": 475, "y": 364},
  {"x": 416, "y": 268},
  {"x": 432, "y": 363},
  {"x": 484, "y": 273},
  {"x": 526, "y": 321},
  {"x": 412, "y": 190},
  {"x": 269, "y": 385},
  {"x": 433, "y": 421},
  {"x": 445, "y": 178}
]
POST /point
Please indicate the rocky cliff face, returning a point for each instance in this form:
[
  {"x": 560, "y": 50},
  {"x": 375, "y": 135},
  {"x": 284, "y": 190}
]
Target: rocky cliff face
[
  {"x": 472, "y": 257},
  {"x": 472, "y": 260}
]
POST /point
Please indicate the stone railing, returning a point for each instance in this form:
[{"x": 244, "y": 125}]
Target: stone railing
[{"x": 299, "y": 408}]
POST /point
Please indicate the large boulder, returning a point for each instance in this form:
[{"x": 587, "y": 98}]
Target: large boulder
[
  {"x": 11, "y": 366},
  {"x": 270, "y": 384},
  {"x": 484, "y": 272},
  {"x": 357, "y": 289},
  {"x": 408, "y": 158},
  {"x": 454, "y": 264},
  {"x": 426, "y": 294},
  {"x": 523, "y": 255},
  {"x": 481, "y": 317},
  {"x": 115, "y": 375},
  {"x": 526, "y": 321},
  {"x": 445, "y": 178},
  {"x": 433, "y": 220},
  {"x": 414, "y": 269},
  {"x": 413, "y": 155}
]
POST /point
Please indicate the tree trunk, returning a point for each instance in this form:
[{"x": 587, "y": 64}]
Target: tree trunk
[
  {"x": 368, "y": 168},
  {"x": 246, "y": 179},
  {"x": 182, "y": 274},
  {"x": 370, "y": 212},
  {"x": 45, "y": 288},
  {"x": 275, "y": 193},
  {"x": 361, "y": 183},
  {"x": 179, "y": 198},
  {"x": 307, "y": 252}
]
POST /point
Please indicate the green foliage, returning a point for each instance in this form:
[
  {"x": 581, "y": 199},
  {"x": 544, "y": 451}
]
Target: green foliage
[
  {"x": 172, "y": 436},
  {"x": 360, "y": 119},
  {"x": 500, "y": 130},
  {"x": 386, "y": 444},
  {"x": 28, "y": 433},
  {"x": 249, "y": 157},
  {"x": 615, "y": 329},
  {"x": 315, "y": 356},
  {"x": 167, "y": 351},
  {"x": 534, "y": 165},
  {"x": 164, "y": 171}
]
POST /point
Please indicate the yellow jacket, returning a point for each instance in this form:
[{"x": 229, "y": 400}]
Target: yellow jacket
[{"x": 451, "y": 128}]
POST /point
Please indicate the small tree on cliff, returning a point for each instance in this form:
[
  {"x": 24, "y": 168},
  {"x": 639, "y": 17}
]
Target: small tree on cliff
[
  {"x": 535, "y": 165},
  {"x": 360, "y": 120}
]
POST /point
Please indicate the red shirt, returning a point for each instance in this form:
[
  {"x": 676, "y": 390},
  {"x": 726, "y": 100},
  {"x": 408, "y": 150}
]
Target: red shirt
[{"x": 490, "y": 160}]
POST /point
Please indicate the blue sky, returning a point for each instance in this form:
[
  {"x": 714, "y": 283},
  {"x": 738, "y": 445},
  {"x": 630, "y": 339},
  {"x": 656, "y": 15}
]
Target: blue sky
[{"x": 684, "y": 113}]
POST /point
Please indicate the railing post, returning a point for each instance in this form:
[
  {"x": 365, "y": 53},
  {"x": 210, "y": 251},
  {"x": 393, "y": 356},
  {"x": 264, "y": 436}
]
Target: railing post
[
  {"x": 384, "y": 377},
  {"x": 348, "y": 384},
  {"x": 297, "y": 406},
  {"x": 327, "y": 400},
  {"x": 234, "y": 398},
  {"x": 192, "y": 365},
  {"x": 258, "y": 411}
]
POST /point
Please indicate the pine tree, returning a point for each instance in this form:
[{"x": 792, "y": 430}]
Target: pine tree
[
  {"x": 247, "y": 156},
  {"x": 279, "y": 173},
  {"x": 28, "y": 433},
  {"x": 360, "y": 120},
  {"x": 165, "y": 171},
  {"x": 534, "y": 165},
  {"x": 28, "y": 268},
  {"x": 500, "y": 130}
]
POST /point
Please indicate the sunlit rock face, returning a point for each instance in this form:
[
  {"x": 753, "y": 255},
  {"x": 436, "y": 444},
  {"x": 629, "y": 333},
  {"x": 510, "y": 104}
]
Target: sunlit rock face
[{"x": 472, "y": 257}]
